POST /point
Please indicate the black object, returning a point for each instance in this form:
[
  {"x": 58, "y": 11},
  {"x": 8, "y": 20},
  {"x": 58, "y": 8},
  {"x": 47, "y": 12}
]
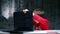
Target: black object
[{"x": 23, "y": 22}]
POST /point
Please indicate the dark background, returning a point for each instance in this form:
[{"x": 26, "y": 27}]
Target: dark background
[{"x": 49, "y": 6}]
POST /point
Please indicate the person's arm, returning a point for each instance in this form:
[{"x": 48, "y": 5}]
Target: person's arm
[{"x": 36, "y": 21}]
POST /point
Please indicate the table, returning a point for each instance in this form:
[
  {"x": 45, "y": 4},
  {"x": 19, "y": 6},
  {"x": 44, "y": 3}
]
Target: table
[
  {"x": 1, "y": 32},
  {"x": 35, "y": 32},
  {"x": 43, "y": 32}
]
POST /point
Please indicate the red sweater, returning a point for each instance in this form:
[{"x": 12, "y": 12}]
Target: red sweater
[{"x": 43, "y": 23}]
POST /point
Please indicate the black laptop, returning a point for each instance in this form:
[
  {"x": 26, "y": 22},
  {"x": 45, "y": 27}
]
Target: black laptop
[{"x": 23, "y": 22}]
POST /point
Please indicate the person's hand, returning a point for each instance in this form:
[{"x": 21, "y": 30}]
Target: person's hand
[
  {"x": 33, "y": 14},
  {"x": 25, "y": 11}
]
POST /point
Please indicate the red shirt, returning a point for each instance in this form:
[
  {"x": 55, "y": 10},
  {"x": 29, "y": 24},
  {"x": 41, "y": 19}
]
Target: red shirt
[{"x": 43, "y": 23}]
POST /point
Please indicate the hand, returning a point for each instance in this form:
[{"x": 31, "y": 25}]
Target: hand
[{"x": 25, "y": 11}]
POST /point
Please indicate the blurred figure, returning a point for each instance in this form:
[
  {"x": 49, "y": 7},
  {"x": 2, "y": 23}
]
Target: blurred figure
[
  {"x": 41, "y": 25},
  {"x": 39, "y": 22}
]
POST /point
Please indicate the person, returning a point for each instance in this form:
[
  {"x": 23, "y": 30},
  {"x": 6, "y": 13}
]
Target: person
[{"x": 42, "y": 23}]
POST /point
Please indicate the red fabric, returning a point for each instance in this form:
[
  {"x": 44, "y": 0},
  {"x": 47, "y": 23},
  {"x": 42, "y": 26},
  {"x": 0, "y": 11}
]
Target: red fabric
[{"x": 43, "y": 23}]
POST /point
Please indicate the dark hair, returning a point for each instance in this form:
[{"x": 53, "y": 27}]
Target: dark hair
[{"x": 38, "y": 9}]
